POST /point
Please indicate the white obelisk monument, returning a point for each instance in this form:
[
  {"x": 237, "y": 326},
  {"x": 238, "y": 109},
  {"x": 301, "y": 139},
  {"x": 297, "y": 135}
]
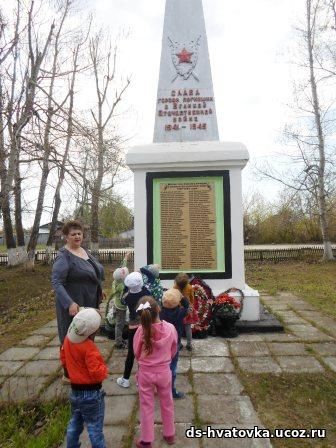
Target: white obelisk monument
[{"x": 187, "y": 184}]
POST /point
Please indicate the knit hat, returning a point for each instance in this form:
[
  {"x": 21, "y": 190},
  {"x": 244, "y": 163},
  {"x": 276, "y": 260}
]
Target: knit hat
[
  {"x": 151, "y": 269},
  {"x": 134, "y": 282},
  {"x": 86, "y": 322},
  {"x": 171, "y": 298},
  {"x": 120, "y": 274},
  {"x": 154, "y": 269}
]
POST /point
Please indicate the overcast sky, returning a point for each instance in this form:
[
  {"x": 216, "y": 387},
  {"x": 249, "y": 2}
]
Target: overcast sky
[{"x": 248, "y": 43}]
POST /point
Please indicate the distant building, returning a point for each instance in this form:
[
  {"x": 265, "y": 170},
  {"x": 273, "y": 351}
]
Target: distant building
[
  {"x": 127, "y": 234},
  {"x": 45, "y": 229}
]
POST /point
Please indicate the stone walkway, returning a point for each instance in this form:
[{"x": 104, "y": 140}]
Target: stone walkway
[{"x": 215, "y": 395}]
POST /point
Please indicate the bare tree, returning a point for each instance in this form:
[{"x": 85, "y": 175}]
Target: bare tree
[
  {"x": 62, "y": 167},
  {"x": 18, "y": 115},
  {"x": 310, "y": 170},
  {"x": 46, "y": 146},
  {"x": 102, "y": 115}
]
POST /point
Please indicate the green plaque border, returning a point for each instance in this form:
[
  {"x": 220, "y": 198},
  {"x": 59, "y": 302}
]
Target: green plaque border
[{"x": 221, "y": 180}]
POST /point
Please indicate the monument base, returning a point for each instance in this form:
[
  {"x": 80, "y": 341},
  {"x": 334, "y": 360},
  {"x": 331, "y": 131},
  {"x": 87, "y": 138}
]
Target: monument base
[{"x": 167, "y": 160}]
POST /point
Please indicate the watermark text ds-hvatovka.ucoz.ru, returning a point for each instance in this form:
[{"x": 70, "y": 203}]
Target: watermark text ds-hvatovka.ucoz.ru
[{"x": 255, "y": 433}]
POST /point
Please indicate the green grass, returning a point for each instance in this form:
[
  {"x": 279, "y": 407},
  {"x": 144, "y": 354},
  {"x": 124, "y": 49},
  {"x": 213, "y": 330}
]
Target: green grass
[
  {"x": 3, "y": 248},
  {"x": 313, "y": 282},
  {"x": 36, "y": 425},
  {"x": 302, "y": 401}
]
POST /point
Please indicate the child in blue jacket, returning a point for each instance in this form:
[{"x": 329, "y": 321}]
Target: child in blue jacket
[{"x": 174, "y": 309}]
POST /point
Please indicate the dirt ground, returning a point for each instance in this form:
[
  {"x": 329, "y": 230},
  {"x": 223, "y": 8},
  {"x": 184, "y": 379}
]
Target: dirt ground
[{"x": 27, "y": 301}]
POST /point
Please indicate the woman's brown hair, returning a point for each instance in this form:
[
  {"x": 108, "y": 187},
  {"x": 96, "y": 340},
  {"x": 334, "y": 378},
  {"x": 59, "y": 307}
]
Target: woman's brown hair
[
  {"x": 74, "y": 224},
  {"x": 148, "y": 316}
]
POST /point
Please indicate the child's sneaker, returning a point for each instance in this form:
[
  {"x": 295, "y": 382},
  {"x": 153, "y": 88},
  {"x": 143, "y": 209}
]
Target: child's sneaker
[
  {"x": 189, "y": 347},
  {"x": 122, "y": 382},
  {"x": 140, "y": 444},
  {"x": 178, "y": 395},
  {"x": 169, "y": 439}
]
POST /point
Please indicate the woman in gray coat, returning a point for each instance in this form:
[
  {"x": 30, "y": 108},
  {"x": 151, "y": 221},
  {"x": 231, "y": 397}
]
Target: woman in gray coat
[{"x": 76, "y": 278}]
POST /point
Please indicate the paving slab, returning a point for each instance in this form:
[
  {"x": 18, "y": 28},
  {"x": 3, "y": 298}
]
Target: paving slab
[
  {"x": 37, "y": 340},
  {"x": 111, "y": 387},
  {"x": 183, "y": 365},
  {"x": 260, "y": 364},
  {"x": 181, "y": 439},
  {"x": 9, "y": 367},
  {"x": 212, "y": 365},
  {"x": 214, "y": 442},
  {"x": 51, "y": 323},
  {"x": 311, "y": 314},
  {"x": 54, "y": 342},
  {"x": 299, "y": 364},
  {"x": 121, "y": 353},
  {"x": 118, "y": 409},
  {"x": 113, "y": 437},
  {"x": 249, "y": 348},
  {"x": 183, "y": 353},
  {"x": 182, "y": 383},
  {"x": 117, "y": 364},
  {"x": 19, "y": 388},
  {"x": 217, "y": 384},
  {"x": 39, "y": 368},
  {"x": 275, "y": 305},
  {"x": 56, "y": 390},
  {"x": 308, "y": 333},
  {"x": 19, "y": 353},
  {"x": 279, "y": 337},
  {"x": 105, "y": 350},
  {"x": 229, "y": 410},
  {"x": 49, "y": 353},
  {"x": 303, "y": 305},
  {"x": 248, "y": 337},
  {"x": 46, "y": 330},
  {"x": 290, "y": 317},
  {"x": 184, "y": 410},
  {"x": 210, "y": 347},
  {"x": 324, "y": 348},
  {"x": 331, "y": 362},
  {"x": 287, "y": 348}
]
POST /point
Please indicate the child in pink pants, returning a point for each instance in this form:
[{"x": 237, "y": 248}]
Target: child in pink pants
[{"x": 155, "y": 344}]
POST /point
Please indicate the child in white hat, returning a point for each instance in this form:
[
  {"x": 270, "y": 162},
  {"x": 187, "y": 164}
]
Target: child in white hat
[
  {"x": 87, "y": 370},
  {"x": 136, "y": 291}
]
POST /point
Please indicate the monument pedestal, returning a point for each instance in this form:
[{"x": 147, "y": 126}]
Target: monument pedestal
[{"x": 194, "y": 159}]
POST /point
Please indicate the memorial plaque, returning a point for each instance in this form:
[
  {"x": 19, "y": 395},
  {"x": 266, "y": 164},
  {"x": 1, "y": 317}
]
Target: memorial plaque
[{"x": 189, "y": 227}]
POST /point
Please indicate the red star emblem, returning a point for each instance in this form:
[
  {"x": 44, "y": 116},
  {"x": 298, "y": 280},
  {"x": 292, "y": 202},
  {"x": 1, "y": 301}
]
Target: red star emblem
[{"x": 184, "y": 56}]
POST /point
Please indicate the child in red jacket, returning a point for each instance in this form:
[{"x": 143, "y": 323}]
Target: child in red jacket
[{"x": 87, "y": 369}]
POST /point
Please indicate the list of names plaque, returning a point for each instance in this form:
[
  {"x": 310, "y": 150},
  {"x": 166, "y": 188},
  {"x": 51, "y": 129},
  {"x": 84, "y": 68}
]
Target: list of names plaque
[{"x": 188, "y": 226}]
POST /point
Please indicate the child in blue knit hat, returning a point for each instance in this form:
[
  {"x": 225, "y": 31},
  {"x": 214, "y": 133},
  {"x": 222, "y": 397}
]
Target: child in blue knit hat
[{"x": 150, "y": 275}]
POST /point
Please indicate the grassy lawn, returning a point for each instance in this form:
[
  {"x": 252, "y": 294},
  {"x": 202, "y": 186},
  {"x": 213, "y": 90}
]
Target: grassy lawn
[
  {"x": 27, "y": 301},
  {"x": 33, "y": 425},
  {"x": 305, "y": 401},
  {"x": 3, "y": 248},
  {"x": 313, "y": 282}
]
